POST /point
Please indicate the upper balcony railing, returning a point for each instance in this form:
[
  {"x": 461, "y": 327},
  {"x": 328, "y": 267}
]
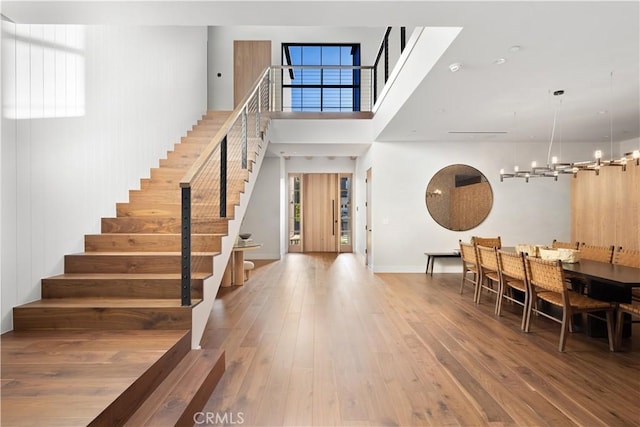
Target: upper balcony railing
[
  {"x": 322, "y": 88},
  {"x": 391, "y": 47}
]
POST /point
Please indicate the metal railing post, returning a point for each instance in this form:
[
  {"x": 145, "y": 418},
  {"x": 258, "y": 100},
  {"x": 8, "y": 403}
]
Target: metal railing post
[
  {"x": 243, "y": 138},
  {"x": 185, "y": 282},
  {"x": 223, "y": 177}
]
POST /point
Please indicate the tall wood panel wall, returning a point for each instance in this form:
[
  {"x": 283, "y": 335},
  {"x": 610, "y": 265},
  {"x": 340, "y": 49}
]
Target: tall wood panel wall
[{"x": 605, "y": 208}]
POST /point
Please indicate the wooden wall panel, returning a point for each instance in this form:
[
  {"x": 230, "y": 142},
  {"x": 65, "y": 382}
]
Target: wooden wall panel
[
  {"x": 605, "y": 208},
  {"x": 250, "y": 58}
]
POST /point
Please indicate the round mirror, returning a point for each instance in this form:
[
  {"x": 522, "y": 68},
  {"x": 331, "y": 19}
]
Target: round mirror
[{"x": 459, "y": 197}]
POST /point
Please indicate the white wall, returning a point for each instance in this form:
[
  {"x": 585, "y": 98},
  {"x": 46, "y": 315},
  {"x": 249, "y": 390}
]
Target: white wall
[
  {"x": 535, "y": 212},
  {"x": 94, "y": 108},
  {"x": 221, "y": 50},
  {"x": 629, "y": 145},
  {"x": 262, "y": 218}
]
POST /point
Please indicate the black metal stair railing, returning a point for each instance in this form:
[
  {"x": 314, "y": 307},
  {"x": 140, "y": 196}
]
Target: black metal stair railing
[{"x": 211, "y": 186}]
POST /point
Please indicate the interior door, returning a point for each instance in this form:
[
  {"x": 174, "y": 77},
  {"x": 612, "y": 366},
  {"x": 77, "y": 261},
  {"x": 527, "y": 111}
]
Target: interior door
[
  {"x": 250, "y": 58},
  {"x": 321, "y": 212}
]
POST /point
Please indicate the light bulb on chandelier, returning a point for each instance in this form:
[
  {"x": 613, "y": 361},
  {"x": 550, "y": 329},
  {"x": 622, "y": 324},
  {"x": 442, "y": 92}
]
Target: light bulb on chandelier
[{"x": 554, "y": 168}]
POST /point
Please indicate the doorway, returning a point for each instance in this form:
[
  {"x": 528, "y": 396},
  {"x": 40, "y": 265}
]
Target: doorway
[{"x": 320, "y": 215}]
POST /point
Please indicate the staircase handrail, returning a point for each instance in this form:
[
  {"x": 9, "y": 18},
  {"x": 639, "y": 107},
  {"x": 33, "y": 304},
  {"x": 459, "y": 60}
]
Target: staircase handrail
[{"x": 197, "y": 166}]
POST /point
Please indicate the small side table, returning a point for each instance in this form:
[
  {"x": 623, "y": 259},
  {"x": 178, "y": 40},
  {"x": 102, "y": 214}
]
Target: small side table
[
  {"x": 431, "y": 257},
  {"x": 234, "y": 273}
]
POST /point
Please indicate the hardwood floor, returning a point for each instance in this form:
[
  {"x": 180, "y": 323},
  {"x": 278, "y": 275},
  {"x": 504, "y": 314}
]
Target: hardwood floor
[{"x": 316, "y": 339}]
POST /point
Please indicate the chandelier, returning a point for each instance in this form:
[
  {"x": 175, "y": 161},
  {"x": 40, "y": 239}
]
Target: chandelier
[{"x": 554, "y": 168}]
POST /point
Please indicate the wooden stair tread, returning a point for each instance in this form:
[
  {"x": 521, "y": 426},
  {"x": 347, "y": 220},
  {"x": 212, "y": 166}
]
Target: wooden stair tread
[
  {"x": 126, "y": 276},
  {"x": 183, "y": 392},
  {"x": 142, "y": 254},
  {"x": 106, "y": 302}
]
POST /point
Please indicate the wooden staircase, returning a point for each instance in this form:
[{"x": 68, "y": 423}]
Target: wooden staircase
[{"x": 128, "y": 278}]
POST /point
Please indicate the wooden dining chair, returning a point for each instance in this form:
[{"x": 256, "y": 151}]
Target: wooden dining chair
[
  {"x": 564, "y": 245},
  {"x": 547, "y": 282},
  {"x": 490, "y": 242},
  {"x": 626, "y": 257},
  {"x": 513, "y": 275},
  {"x": 632, "y": 309},
  {"x": 596, "y": 253},
  {"x": 469, "y": 265},
  {"x": 591, "y": 253},
  {"x": 489, "y": 278}
]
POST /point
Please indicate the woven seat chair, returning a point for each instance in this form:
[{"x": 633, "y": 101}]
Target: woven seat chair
[
  {"x": 564, "y": 245},
  {"x": 513, "y": 275},
  {"x": 591, "y": 253},
  {"x": 469, "y": 265},
  {"x": 549, "y": 276},
  {"x": 627, "y": 257},
  {"x": 489, "y": 277},
  {"x": 490, "y": 242},
  {"x": 634, "y": 310},
  {"x": 596, "y": 253}
]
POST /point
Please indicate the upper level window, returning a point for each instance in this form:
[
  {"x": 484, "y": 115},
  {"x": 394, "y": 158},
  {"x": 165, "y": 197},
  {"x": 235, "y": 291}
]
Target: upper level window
[{"x": 315, "y": 82}]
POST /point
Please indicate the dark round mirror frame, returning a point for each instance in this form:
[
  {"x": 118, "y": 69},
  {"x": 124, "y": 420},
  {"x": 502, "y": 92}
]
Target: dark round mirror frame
[{"x": 459, "y": 197}]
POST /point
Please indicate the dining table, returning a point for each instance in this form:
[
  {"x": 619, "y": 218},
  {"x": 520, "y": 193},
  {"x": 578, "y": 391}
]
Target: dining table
[{"x": 605, "y": 282}]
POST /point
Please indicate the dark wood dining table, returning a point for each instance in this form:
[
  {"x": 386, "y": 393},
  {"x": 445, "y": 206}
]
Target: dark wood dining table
[{"x": 606, "y": 282}]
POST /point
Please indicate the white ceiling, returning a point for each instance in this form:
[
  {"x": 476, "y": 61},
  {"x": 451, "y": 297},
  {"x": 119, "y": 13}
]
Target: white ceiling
[{"x": 589, "y": 49}]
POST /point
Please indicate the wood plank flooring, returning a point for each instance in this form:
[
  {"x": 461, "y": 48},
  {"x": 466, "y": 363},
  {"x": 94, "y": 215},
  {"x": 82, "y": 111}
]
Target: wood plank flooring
[
  {"x": 73, "y": 378},
  {"x": 316, "y": 339}
]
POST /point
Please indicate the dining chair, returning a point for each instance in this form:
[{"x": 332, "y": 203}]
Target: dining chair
[
  {"x": 490, "y": 242},
  {"x": 513, "y": 275},
  {"x": 591, "y": 253},
  {"x": 469, "y": 265},
  {"x": 632, "y": 309},
  {"x": 596, "y": 253},
  {"x": 548, "y": 276},
  {"x": 564, "y": 245},
  {"x": 627, "y": 257},
  {"x": 489, "y": 276}
]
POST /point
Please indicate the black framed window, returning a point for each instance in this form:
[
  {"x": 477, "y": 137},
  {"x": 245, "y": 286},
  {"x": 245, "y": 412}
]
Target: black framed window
[{"x": 322, "y": 89}]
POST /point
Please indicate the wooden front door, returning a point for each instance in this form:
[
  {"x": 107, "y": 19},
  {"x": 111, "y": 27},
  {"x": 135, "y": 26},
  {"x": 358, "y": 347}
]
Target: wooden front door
[
  {"x": 250, "y": 58},
  {"x": 321, "y": 212}
]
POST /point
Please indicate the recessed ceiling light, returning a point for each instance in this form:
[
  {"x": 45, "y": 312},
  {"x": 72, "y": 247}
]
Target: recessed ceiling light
[
  {"x": 514, "y": 48},
  {"x": 602, "y": 112},
  {"x": 499, "y": 61},
  {"x": 455, "y": 67}
]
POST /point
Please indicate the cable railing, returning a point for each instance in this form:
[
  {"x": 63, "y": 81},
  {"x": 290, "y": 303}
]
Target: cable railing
[
  {"x": 391, "y": 47},
  {"x": 322, "y": 88},
  {"x": 211, "y": 187}
]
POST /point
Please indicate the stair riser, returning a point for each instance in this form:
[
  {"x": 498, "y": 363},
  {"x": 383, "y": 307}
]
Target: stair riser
[
  {"x": 149, "y": 243},
  {"x": 177, "y": 174},
  {"x": 161, "y": 264},
  {"x": 158, "y": 195},
  {"x": 104, "y": 318},
  {"x": 186, "y": 162},
  {"x": 162, "y": 225},
  {"x": 141, "y": 210},
  {"x": 173, "y": 184},
  {"x": 117, "y": 288}
]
